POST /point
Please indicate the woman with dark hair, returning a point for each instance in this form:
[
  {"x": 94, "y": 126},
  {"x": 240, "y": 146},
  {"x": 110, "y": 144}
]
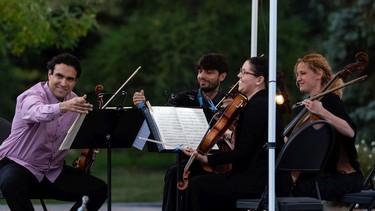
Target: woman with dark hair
[{"x": 249, "y": 158}]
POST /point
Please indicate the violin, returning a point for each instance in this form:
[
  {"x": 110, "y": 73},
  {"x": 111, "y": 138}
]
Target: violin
[
  {"x": 225, "y": 144},
  {"x": 304, "y": 116},
  {"x": 215, "y": 133},
  {"x": 86, "y": 160}
]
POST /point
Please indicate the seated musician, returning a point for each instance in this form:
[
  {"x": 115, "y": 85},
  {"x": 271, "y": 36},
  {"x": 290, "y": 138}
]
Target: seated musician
[
  {"x": 30, "y": 159},
  {"x": 342, "y": 173},
  {"x": 249, "y": 158},
  {"x": 212, "y": 70}
]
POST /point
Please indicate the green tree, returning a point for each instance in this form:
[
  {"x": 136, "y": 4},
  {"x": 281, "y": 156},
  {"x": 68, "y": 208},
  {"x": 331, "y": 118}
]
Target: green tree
[
  {"x": 26, "y": 29},
  {"x": 166, "y": 39},
  {"x": 352, "y": 29},
  {"x": 166, "y": 43},
  {"x": 39, "y": 24}
]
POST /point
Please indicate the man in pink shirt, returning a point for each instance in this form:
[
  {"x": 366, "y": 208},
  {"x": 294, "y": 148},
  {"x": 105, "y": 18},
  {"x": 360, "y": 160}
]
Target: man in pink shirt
[{"x": 31, "y": 164}]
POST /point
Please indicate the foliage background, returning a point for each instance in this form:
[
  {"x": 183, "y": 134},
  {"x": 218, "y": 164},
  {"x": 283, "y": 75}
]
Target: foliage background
[{"x": 114, "y": 37}]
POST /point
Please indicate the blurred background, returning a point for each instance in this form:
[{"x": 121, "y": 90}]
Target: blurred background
[{"x": 113, "y": 38}]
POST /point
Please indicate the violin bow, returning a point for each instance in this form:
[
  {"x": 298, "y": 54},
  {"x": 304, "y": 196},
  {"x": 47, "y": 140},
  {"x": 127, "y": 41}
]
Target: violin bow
[
  {"x": 234, "y": 86},
  {"x": 122, "y": 86}
]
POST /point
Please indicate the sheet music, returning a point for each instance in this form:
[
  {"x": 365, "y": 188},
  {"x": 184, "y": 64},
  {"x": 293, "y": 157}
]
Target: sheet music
[
  {"x": 144, "y": 131},
  {"x": 180, "y": 126},
  {"x": 72, "y": 132}
]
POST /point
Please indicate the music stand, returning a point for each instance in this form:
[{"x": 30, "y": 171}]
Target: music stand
[{"x": 109, "y": 128}]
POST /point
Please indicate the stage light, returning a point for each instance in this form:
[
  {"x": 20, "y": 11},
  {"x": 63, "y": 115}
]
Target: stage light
[{"x": 279, "y": 97}]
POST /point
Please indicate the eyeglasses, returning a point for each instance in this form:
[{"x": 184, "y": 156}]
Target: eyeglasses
[{"x": 243, "y": 73}]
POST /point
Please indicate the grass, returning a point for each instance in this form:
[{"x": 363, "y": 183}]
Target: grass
[{"x": 137, "y": 176}]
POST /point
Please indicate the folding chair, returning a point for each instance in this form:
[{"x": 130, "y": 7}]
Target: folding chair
[
  {"x": 5, "y": 127},
  {"x": 306, "y": 151},
  {"x": 366, "y": 197}
]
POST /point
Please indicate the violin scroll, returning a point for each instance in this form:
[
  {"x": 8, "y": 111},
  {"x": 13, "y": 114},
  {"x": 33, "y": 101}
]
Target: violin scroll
[
  {"x": 182, "y": 185},
  {"x": 98, "y": 91}
]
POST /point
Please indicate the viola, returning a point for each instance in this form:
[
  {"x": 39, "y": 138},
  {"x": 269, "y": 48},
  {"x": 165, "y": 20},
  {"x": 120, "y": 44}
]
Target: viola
[
  {"x": 304, "y": 116},
  {"x": 215, "y": 133},
  {"x": 86, "y": 160}
]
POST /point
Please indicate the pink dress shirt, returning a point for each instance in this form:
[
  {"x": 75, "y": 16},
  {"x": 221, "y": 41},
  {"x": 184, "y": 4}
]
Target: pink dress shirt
[{"x": 38, "y": 129}]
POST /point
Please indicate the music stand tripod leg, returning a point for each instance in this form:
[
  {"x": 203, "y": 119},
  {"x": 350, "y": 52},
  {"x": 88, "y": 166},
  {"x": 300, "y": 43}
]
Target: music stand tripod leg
[{"x": 109, "y": 173}]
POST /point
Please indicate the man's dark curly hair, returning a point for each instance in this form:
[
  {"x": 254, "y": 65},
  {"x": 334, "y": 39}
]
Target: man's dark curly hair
[
  {"x": 65, "y": 58},
  {"x": 213, "y": 61}
]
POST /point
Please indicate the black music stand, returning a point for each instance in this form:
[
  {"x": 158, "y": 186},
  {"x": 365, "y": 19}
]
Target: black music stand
[
  {"x": 154, "y": 147},
  {"x": 109, "y": 128}
]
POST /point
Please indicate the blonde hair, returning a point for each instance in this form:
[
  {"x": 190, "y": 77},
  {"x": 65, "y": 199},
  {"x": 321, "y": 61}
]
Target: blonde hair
[{"x": 318, "y": 63}]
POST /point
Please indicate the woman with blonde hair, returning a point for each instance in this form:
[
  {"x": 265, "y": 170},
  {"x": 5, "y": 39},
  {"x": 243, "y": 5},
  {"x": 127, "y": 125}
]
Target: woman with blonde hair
[{"x": 341, "y": 174}]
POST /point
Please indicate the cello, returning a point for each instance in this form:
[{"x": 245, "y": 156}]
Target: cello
[
  {"x": 214, "y": 134},
  {"x": 305, "y": 116}
]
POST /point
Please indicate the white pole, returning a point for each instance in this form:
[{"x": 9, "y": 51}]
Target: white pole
[
  {"x": 254, "y": 28},
  {"x": 272, "y": 104}
]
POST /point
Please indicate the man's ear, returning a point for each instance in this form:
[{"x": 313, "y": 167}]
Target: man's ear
[
  {"x": 222, "y": 76},
  {"x": 49, "y": 74}
]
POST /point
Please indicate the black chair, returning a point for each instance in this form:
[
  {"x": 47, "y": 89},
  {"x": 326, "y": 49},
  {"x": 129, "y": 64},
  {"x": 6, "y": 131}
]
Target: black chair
[
  {"x": 5, "y": 127},
  {"x": 366, "y": 197},
  {"x": 306, "y": 151}
]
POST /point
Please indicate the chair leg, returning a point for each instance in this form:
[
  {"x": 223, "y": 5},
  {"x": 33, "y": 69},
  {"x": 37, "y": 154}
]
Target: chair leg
[
  {"x": 370, "y": 206},
  {"x": 352, "y": 207},
  {"x": 43, "y": 204}
]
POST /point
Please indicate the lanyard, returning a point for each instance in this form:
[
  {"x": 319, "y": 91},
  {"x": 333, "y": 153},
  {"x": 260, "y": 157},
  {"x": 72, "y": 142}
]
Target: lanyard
[{"x": 200, "y": 99}]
